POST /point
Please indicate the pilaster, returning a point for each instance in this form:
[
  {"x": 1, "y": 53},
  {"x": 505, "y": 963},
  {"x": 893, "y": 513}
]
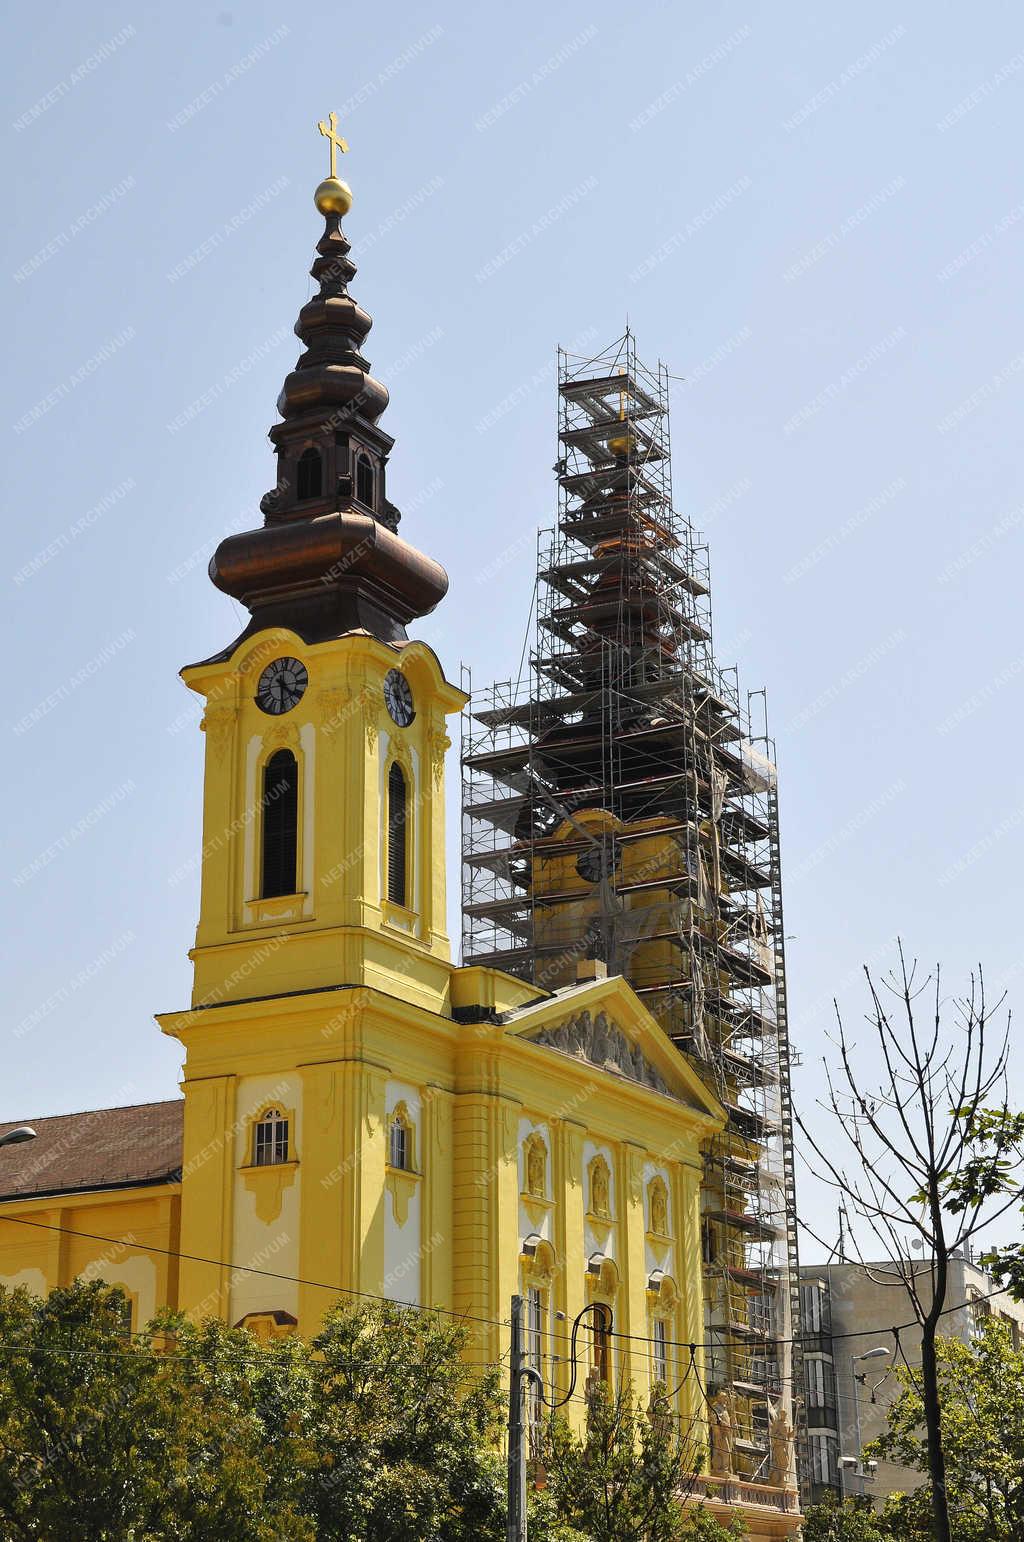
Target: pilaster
[
  {"x": 686, "y": 1210},
  {"x": 569, "y": 1241},
  {"x": 326, "y": 1165},
  {"x": 438, "y": 1218},
  {"x": 361, "y": 1187},
  {"x": 208, "y": 1170},
  {"x": 485, "y": 1192},
  {"x": 632, "y": 1302},
  {"x": 221, "y": 777}
]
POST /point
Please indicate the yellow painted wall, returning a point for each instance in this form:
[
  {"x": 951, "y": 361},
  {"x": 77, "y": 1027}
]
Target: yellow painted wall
[
  {"x": 334, "y": 1006},
  {"x": 127, "y": 1237}
]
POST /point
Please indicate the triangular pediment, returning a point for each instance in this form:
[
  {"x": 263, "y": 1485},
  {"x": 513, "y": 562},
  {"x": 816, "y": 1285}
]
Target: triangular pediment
[
  {"x": 598, "y": 1039},
  {"x": 605, "y": 1026}
]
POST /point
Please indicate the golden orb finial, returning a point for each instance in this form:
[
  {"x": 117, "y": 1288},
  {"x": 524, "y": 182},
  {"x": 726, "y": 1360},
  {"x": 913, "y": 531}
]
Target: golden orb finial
[{"x": 333, "y": 196}]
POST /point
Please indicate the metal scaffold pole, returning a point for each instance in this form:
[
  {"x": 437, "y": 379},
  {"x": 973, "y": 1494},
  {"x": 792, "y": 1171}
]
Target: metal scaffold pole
[{"x": 615, "y": 804}]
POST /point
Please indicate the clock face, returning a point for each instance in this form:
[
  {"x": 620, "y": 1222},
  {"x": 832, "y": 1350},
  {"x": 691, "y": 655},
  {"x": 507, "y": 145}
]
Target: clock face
[
  {"x": 282, "y": 685},
  {"x": 597, "y": 863},
  {"x": 398, "y": 698}
]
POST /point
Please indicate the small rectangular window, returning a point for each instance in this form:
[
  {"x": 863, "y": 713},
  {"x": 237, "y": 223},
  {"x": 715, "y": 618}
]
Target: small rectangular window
[
  {"x": 821, "y": 1459},
  {"x": 815, "y": 1383},
  {"x": 535, "y": 1350},
  {"x": 810, "y": 1305},
  {"x": 602, "y": 1346},
  {"x": 270, "y": 1146},
  {"x": 399, "y": 1145},
  {"x": 659, "y": 1358}
]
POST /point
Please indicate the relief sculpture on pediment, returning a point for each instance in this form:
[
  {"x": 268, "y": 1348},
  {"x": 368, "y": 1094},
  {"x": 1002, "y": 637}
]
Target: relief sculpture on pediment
[{"x": 600, "y": 1042}]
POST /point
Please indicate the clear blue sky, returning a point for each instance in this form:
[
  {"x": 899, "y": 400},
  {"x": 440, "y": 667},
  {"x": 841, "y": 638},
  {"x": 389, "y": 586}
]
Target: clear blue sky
[{"x": 813, "y": 214}]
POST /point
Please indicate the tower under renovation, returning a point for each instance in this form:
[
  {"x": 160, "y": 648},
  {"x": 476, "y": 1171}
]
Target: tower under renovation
[{"x": 620, "y": 804}]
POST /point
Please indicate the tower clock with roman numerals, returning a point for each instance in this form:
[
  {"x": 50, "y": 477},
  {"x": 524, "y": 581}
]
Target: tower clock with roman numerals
[
  {"x": 281, "y": 686},
  {"x": 398, "y": 698}
]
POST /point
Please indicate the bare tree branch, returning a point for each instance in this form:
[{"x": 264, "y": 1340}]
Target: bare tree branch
[{"x": 913, "y": 1141}]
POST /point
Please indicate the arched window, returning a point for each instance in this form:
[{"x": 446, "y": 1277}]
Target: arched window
[
  {"x": 280, "y": 824},
  {"x": 536, "y": 1336},
  {"x": 270, "y": 1139},
  {"x": 663, "y": 1302},
  {"x": 310, "y": 476},
  {"x": 601, "y": 1331},
  {"x": 397, "y": 831},
  {"x": 364, "y": 480},
  {"x": 400, "y": 1140},
  {"x": 659, "y": 1351}
]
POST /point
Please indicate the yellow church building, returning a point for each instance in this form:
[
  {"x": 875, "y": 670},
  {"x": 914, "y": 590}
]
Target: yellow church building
[{"x": 359, "y": 1113}]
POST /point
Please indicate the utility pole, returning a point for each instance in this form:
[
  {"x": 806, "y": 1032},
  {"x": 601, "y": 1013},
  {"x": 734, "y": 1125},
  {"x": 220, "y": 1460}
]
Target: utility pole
[
  {"x": 516, "y": 1452},
  {"x": 519, "y": 1375}
]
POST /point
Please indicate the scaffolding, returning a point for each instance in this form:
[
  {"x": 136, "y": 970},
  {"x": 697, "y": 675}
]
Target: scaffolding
[{"x": 620, "y": 802}]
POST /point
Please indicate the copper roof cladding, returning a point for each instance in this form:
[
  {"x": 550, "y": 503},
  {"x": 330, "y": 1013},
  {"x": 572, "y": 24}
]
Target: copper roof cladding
[
  {"x": 328, "y": 559},
  {"x": 328, "y": 575},
  {"x": 108, "y": 1148}
]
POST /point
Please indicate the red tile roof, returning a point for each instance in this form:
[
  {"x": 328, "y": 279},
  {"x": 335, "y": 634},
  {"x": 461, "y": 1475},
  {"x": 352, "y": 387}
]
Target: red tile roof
[{"x": 109, "y": 1148}]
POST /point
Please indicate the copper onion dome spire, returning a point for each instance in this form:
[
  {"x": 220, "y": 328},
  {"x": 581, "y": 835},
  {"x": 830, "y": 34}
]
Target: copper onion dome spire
[{"x": 328, "y": 559}]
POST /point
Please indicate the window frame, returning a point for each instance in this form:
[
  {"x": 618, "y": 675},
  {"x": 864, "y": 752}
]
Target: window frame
[
  {"x": 397, "y": 837},
  {"x": 279, "y": 808},
  {"x": 309, "y": 457},
  {"x": 365, "y": 468},
  {"x": 398, "y": 1146},
  {"x": 601, "y": 1346},
  {"x": 275, "y": 1120},
  {"x": 400, "y": 1119},
  {"x": 659, "y": 1351},
  {"x": 535, "y": 1335}
]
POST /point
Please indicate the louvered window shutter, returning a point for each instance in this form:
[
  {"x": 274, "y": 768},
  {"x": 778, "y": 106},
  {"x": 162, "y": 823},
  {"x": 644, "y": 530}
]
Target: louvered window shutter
[{"x": 396, "y": 835}]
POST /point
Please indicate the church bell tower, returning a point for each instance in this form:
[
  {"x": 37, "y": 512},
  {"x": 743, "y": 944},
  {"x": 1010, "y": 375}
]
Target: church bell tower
[{"x": 323, "y": 840}]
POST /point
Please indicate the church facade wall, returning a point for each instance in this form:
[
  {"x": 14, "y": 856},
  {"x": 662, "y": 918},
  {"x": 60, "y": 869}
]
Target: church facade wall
[{"x": 129, "y": 1237}]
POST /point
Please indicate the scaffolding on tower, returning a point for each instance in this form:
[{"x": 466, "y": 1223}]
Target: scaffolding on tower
[{"x": 620, "y": 802}]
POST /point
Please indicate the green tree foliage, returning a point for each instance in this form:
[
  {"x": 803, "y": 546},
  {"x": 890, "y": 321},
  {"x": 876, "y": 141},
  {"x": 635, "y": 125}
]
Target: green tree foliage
[
  {"x": 405, "y": 1432},
  {"x": 375, "y": 1432},
  {"x": 100, "y": 1441},
  {"x": 844, "y": 1521},
  {"x": 981, "y": 1393},
  {"x": 620, "y": 1479},
  {"x": 996, "y": 1142}
]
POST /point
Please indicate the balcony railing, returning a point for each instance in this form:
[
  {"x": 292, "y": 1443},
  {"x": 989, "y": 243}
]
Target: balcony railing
[{"x": 740, "y": 1491}]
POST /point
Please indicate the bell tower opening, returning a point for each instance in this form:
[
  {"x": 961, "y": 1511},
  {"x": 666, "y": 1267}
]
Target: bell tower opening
[
  {"x": 364, "y": 481},
  {"x": 280, "y": 824},
  {"x": 309, "y": 476},
  {"x": 397, "y": 835}
]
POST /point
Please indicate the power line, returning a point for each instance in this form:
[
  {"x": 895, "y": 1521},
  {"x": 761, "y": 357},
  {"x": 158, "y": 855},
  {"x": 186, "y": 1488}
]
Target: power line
[
  {"x": 723, "y": 1342},
  {"x": 271, "y": 1274}
]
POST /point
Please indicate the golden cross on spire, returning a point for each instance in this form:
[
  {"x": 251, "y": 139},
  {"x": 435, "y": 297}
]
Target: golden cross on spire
[{"x": 330, "y": 132}]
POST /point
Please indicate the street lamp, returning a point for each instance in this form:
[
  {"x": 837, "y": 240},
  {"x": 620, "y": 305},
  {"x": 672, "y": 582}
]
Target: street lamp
[
  {"x": 16, "y": 1137},
  {"x": 878, "y": 1353}
]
